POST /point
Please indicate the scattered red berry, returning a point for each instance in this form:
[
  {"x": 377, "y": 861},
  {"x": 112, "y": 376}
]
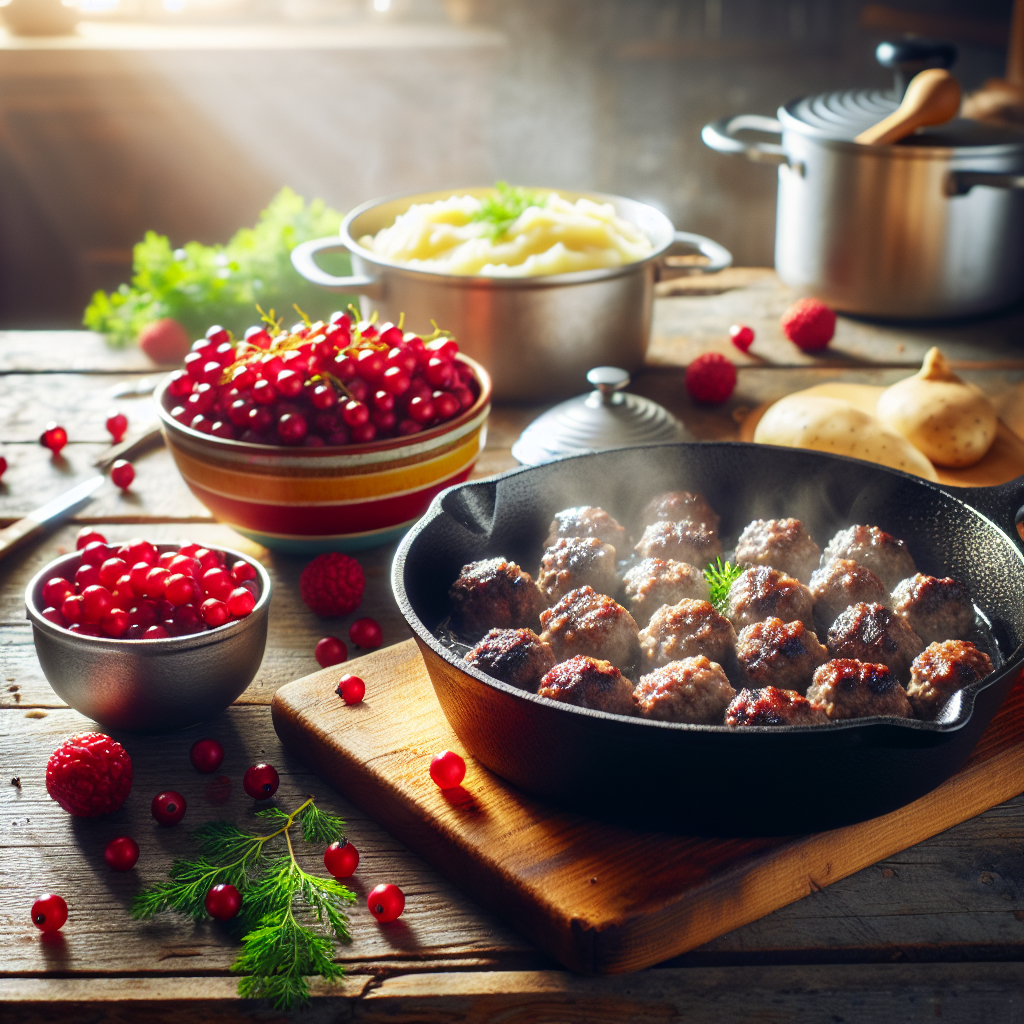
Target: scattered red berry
[
  {"x": 366, "y": 633},
  {"x": 386, "y": 903},
  {"x": 206, "y": 756},
  {"x": 49, "y": 913},
  {"x": 710, "y": 378},
  {"x": 117, "y": 424},
  {"x": 168, "y": 808},
  {"x": 742, "y": 336},
  {"x": 809, "y": 324},
  {"x": 341, "y": 859},
  {"x": 329, "y": 651},
  {"x": 447, "y": 769},
  {"x": 164, "y": 341},
  {"x": 332, "y": 584},
  {"x": 53, "y": 437},
  {"x": 121, "y": 853},
  {"x": 86, "y": 535},
  {"x": 89, "y": 774},
  {"x": 261, "y": 781},
  {"x": 122, "y": 474},
  {"x": 351, "y": 689},
  {"x": 223, "y": 902}
]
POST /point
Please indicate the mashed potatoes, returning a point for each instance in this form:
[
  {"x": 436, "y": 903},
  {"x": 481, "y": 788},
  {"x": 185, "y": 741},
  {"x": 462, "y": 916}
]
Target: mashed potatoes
[{"x": 553, "y": 237}]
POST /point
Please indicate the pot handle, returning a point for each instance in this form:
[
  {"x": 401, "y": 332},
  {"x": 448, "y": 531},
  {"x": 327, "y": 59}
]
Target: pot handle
[
  {"x": 1003, "y": 504},
  {"x": 721, "y": 135},
  {"x": 718, "y": 256},
  {"x": 959, "y": 183},
  {"x": 305, "y": 264}
]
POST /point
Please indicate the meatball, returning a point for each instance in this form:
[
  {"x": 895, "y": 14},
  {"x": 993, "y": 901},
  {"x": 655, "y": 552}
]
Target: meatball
[
  {"x": 655, "y": 582},
  {"x": 942, "y": 669},
  {"x": 773, "y": 707},
  {"x": 494, "y": 594},
  {"x": 763, "y": 593},
  {"x": 587, "y": 521},
  {"x": 589, "y": 683},
  {"x": 694, "y": 544},
  {"x": 585, "y": 622},
  {"x": 839, "y": 584},
  {"x": 573, "y": 562},
  {"x": 876, "y": 634},
  {"x": 779, "y": 654},
  {"x": 680, "y": 507},
  {"x": 692, "y": 690},
  {"x": 783, "y": 544},
  {"x": 686, "y": 630},
  {"x": 857, "y": 689},
  {"x": 935, "y": 609},
  {"x": 885, "y": 555},
  {"x": 515, "y": 656}
]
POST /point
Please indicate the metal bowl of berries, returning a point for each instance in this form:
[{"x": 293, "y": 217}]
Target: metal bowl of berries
[
  {"x": 328, "y": 437},
  {"x": 168, "y": 660}
]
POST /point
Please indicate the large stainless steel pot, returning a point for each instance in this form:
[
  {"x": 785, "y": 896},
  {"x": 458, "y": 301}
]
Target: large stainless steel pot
[
  {"x": 931, "y": 227},
  {"x": 537, "y": 336}
]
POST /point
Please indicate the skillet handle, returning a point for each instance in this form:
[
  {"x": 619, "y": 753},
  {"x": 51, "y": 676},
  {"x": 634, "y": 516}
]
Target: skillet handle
[{"x": 1003, "y": 504}]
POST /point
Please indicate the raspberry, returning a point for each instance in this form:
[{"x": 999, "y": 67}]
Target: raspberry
[
  {"x": 809, "y": 324},
  {"x": 710, "y": 378},
  {"x": 332, "y": 584},
  {"x": 89, "y": 774}
]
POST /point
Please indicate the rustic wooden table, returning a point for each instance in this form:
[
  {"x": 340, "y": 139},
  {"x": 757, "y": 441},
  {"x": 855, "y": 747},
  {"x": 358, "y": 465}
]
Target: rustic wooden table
[{"x": 936, "y": 932}]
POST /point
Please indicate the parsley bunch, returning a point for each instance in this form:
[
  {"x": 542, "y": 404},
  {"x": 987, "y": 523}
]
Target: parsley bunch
[
  {"x": 721, "y": 576},
  {"x": 289, "y": 918},
  {"x": 499, "y": 212}
]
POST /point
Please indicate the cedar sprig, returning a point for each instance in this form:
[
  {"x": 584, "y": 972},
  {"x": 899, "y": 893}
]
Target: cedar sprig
[
  {"x": 289, "y": 918},
  {"x": 721, "y": 576}
]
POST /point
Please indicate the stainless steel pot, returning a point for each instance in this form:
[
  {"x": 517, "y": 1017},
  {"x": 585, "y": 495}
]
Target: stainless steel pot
[
  {"x": 932, "y": 227},
  {"x": 537, "y": 336}
]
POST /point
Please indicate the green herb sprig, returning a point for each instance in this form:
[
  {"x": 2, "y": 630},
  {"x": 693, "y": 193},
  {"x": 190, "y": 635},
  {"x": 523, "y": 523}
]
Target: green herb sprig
[
  {"x": 720, "y": 576},
  {"x": 289, "y": 918},
  {"x": 499, "y": 212}
]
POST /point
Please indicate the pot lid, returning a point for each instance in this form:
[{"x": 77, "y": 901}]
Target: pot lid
[{"x": 608, "y": 417}]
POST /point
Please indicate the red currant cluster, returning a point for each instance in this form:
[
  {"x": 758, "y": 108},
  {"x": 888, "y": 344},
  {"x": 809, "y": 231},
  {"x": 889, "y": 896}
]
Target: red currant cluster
[
  {"x": 134, "y": 592},
  {"x": 320, "y": 384}
]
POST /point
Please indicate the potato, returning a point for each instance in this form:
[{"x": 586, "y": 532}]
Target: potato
[
  {"x": 827, "y": 424},
  {"x": 952, "y": 422}
]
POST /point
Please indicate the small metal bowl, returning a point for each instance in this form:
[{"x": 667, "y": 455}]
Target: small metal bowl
[{"x": 149, "y": 685}]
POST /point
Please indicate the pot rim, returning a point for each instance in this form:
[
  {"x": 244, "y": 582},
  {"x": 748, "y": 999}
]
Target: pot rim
[
  {"x": 1012, "y": 663},
  {"x": 484, "y": 281}
]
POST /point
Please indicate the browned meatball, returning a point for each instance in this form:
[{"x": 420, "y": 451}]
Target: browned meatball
[
  {"x": 773, "y": 707},
  {"x": 942, "y": 669},
  {"x": 573, "y": 562},
  {"x": 494, "y": 594},
  {"x": 876, "y": 634},
  {"x": 686, "y": 630},
  {"x": 935, "y": 609},
  {"x": 841, "y": 583},
  {"x": 692, "y": 690},
  {"x": 515, "y": 656},
  {"x": 885, "y": 555},
  {"x": 763, "y": 593},
  {"x": 784, "y": 544},
  {"x": 655, "y": 582},
  {"x": 691, "y": 543},
  {"x": 589, "y": 683},
  {"x": 680, "y": 507},
  {"x": 777, "y": 653},
  {"x": 856, "y": 689},
  {"x": 585, "y": 622},
  {"x": 587, "y": 521}
]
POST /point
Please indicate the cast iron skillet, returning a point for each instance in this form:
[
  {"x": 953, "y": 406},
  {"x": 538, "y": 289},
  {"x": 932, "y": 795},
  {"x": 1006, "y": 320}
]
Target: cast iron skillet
[{"x": 712, "y": 780}]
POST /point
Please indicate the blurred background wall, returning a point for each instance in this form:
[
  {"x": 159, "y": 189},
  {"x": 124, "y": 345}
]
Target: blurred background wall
[{"x": 186, "y": 116}]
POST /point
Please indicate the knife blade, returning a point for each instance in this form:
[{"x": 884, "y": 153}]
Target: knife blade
[{"x": 52, "y": 512}]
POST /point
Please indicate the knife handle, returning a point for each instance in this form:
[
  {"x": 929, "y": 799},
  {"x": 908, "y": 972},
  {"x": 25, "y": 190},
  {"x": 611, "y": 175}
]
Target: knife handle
[{"x": 13, "y": 535}]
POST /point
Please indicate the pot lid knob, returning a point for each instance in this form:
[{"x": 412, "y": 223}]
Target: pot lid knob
[{"x": 607, "y": 417}]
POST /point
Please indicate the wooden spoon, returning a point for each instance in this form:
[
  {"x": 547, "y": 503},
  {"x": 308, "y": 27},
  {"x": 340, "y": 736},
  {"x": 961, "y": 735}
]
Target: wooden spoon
[{"x": 933, "y": 97}]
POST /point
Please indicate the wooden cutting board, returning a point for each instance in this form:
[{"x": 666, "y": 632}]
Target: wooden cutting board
[{"x": 600, "y": 898}]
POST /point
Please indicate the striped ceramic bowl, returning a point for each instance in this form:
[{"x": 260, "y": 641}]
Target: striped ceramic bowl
[{"x": 319, "y": 499}]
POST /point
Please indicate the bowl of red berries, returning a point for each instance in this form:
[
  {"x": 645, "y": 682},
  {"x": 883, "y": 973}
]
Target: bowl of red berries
[
  {"x": 149, "y": 636},
  {"x": 330, "y": 436}
]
